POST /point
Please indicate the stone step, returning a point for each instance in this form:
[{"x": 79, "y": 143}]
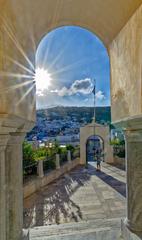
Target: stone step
[
  {"x": 101, "y": 234},
  {"x": 101, "y": 229}
]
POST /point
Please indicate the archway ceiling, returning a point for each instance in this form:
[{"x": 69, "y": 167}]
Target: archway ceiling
[
  {"x": 103, "y": 17},
  {"x": 23, "y": 23}
]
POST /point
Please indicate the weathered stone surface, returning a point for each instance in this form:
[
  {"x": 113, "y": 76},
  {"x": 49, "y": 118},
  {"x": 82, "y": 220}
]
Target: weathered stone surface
[
  {"x": 126, "y": 77},
  {"x": 3, "y": 142},
  {"x": 134, "y": 180},
  {"x": 14, "y": 186}
]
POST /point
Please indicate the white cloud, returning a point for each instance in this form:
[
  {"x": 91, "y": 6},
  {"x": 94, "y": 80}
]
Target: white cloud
[
  {"x": 100, "y": 96},
  {"x": 83, "y": 86},
  {"x": 55, "y": 96},
  {"x": 54, "y": 91},
  {"x": 39, "y": 93}
]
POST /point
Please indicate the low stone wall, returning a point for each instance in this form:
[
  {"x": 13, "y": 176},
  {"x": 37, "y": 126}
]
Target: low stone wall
[
  {"x": 119, "y": 161},
  {"x": 37, "y": 183}
]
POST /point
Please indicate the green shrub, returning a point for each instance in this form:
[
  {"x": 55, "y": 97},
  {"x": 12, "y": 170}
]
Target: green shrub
[
  {"x": 29, "y": 163},
  {"x": 49, "y": 164},
  {"x": 40, "y": 153},
  {"x": 28, "y": 154}
]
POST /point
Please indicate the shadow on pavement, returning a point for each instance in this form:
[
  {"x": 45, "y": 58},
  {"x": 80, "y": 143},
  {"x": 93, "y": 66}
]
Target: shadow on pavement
[
  {"x": 119, "y": 186},
  {"x": 53, "y": 203}
]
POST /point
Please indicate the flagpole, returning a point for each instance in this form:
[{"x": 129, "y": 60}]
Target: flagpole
[
  {"x": 94, "y": 106},
  {"x": 94, "y": 93}
]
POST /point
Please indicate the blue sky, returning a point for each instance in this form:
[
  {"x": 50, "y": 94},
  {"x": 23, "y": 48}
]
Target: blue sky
[{"x": 73, "y": 57}]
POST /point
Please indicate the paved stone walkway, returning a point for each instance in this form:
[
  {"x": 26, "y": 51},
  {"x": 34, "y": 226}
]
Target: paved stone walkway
[{"x": 81, "y": 195}]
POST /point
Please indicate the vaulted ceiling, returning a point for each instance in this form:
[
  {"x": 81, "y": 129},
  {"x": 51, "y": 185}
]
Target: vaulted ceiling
[{"x": 103, "y": 17}]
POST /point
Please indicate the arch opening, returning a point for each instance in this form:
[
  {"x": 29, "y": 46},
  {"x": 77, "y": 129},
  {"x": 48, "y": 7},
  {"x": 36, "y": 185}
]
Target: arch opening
[
  {"x": 94, "y": 146},
  {"x": 69, "y": 59},
  {"x": 66, "y": 55}
]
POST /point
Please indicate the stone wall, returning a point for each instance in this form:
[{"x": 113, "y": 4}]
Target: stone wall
[
  {"x": 36, "y": 184},
  {"x": 126, "y": 65},
  {"x": 119, "y": 161}
]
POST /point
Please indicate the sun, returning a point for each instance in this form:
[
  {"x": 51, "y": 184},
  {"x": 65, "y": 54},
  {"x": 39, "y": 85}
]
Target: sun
[{"x": 42, "y": 78}]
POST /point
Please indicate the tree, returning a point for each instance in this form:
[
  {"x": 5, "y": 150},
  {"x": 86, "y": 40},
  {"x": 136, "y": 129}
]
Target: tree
[{"x": 28, "y": 154}]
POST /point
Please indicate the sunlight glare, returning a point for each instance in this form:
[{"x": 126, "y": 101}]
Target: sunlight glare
[{"x": 42, "y": 79}]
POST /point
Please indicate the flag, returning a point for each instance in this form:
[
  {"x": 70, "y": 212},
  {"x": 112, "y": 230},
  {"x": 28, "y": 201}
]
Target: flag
[{"x": 94, "y": 90}]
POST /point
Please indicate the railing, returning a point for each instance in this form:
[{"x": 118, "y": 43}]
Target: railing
[
  {"x": 63, "y": 158},
  {"x": 75, "y": 154},
  {"x": 43, "y": 167},
  {"x": 49, "y": 164},
  {"x": 30, "y": 171}
]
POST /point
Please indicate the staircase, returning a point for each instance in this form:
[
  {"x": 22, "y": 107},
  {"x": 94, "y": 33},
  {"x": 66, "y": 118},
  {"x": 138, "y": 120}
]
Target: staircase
[{"x": 100, "y": 229}]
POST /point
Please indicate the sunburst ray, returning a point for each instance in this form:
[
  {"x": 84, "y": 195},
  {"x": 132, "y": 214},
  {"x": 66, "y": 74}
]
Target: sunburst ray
[
  {"x": 69, "y": 67},
  {"x": 25, "y": 95},
  {"x": 13, "y": 38},
  {"x": 16, "y": 75},
  {"x": 20, "y": 65},
  {"x": 16, "y": 86}
]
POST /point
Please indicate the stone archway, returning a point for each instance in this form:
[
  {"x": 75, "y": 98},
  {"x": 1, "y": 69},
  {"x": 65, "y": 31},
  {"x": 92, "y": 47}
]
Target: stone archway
[
  {"x": 98, "y": 19},
  {"x": 22, "y": 25},
  {"x": 97, "y": 130},
  {"x": 94, "y": 143}
]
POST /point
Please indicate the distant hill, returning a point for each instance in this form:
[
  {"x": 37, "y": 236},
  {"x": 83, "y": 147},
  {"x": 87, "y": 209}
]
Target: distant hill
[
  {"x": 103, "y": 114},
  {"x": 67, "y": 118}
]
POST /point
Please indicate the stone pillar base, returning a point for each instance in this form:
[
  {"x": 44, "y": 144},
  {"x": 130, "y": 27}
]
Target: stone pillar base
[
  {"x": 25, "y": 234},
  {"x": 127, "y": 234}
]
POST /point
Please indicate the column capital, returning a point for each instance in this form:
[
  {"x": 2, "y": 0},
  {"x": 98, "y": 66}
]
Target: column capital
[
  {"x": 16, "y": 138},
  {"x": 132, "y": 123},
  {"x": 133, "y": 135},
  {"x": 3, "y": 141}
]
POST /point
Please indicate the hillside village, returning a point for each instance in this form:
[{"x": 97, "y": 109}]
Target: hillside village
[{"x": 64, "y": 123}]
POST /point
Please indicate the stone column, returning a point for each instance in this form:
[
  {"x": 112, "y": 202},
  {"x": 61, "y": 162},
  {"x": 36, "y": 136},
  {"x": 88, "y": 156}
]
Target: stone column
[
  {"x": 3, "y": 143},
  {"x": 69, "y": 156},
  {"x": 57, "y": 161},
  {"x": 134, "y": 179},
  {"x": 40, "y": 168},
  {"x": 14, "y": 176}
]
